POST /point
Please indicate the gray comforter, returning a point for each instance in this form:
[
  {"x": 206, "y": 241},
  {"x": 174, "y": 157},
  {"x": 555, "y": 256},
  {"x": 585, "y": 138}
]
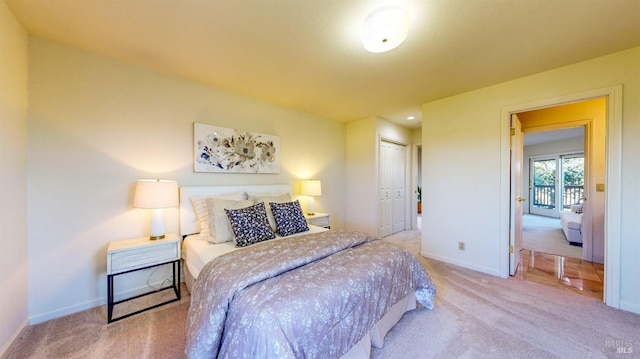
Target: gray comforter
[{"x": 304, "y": 297}]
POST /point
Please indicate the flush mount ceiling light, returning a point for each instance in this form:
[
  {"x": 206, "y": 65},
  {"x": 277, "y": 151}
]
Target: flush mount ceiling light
[{"x": 385, "y": 29}]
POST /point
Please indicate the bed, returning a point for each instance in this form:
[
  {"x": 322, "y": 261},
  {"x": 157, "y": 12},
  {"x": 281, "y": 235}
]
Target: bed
[{"x": 318, "y": 293}]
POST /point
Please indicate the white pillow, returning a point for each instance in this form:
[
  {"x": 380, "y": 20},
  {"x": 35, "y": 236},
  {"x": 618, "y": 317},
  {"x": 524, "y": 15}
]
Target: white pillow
[
  {"x": 202, "y": 212},
  {"x": 220, "y": 230},
  {"x": 270, "y": 197}
]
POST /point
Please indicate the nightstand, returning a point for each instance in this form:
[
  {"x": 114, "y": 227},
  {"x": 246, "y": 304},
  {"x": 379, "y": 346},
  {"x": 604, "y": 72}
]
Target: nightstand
[
  {"x": 136, "y": 254},
  {"x": 318, "y": 219}
]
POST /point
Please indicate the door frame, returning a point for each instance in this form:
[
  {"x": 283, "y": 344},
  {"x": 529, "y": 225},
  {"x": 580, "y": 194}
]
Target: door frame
[
  {"x": 415, "y": 182},
  {"x": 613, "y": 181}
]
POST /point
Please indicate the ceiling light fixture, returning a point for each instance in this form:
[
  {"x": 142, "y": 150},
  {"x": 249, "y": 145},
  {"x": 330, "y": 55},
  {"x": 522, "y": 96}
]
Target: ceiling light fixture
[
  {"x": 385, "y": 29},
  {"x": 411, "y": 118}
]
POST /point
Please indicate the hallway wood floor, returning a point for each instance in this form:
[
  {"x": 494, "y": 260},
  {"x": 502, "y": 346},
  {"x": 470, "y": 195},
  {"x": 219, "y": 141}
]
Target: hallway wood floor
[
  {"x": 560, "y": 272},
  {"x": 564, "y": 273}
]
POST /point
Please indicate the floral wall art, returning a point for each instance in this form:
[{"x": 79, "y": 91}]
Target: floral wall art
[{"x": 226, "y": 150}]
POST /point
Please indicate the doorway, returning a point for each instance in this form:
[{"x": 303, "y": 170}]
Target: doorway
[
  {"x": 554, "y": 176},
  {"x": 554, "y": 161},
  {"x": 612, "y": 174}
]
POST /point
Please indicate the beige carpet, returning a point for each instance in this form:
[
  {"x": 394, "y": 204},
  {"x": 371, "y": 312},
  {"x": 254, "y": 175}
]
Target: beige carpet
[
  {"x": 475, "y": 316},
  {"x": 544, "y": 234}
]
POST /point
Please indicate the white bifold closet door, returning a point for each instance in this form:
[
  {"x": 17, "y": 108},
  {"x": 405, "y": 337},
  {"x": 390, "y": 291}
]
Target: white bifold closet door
[{"x": 392, "y": 190}]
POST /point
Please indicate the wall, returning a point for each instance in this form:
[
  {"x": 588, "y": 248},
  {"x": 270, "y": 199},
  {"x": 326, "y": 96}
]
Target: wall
[
  {"x": 570, "y": 145},
  {"x": 97, "y": 125},
  {"x": 416, "y": 135},
  {"x": 363, "y": 137},
  {"x": 362, "y": 199},
  {"x": 13, "y": 178},
  {"x": 461, "y": 182},
  {"x": 462, "y": 164},
  {"x": 416, "y": 139}
]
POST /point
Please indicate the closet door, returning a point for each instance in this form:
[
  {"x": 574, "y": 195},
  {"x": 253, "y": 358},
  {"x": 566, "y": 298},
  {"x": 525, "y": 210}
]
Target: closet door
[
  {"x": 392, "y": 188},
  {"x": 399, "y": 199},
  {"x": 385, "y": 183}
]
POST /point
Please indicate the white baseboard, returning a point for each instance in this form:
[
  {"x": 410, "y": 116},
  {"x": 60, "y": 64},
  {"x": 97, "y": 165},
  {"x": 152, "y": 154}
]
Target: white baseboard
[
  {"x": 90, "y": 304},
  {"x": 37, "y": 319},
  {"x": 630, "y": 307},
  {"x": 13, "y": 341},
  {"x": 491, "y": 271}
]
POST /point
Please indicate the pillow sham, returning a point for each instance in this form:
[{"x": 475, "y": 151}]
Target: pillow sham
[
  {"x": 220, "y": 230},
  {"x": 250, "y": 224},
  {"x": 202, "y": 212},
  {"x": 289, "y": 218},
  {"x": 268, "y": 198}
]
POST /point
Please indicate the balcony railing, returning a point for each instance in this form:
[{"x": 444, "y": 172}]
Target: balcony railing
[{"x": 544, "y": 196}]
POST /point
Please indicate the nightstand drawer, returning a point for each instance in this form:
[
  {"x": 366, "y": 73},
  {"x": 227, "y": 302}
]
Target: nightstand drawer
[
  {"x": 142, "y": 257},
  {"x": 318, "y": 219},
  {"x": 130, "y": 254},
  {"x": 320, "y": 222}
]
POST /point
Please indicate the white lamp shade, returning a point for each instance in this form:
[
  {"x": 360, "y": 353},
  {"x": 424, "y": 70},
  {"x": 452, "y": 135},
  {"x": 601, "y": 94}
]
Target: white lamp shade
[
  {"x": 311, "y": 188},
  {"x": 156, "y": 194},
  {"x": 385, "y": 29}
]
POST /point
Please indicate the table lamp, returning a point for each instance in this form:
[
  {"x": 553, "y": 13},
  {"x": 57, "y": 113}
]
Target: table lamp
[
  {"x": 311, "y": 188},
  {"x": 156, "y": 194}
]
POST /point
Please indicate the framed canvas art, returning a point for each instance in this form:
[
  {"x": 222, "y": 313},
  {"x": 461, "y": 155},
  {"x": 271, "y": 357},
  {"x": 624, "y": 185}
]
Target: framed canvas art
[{"x": 226, "y": 150}]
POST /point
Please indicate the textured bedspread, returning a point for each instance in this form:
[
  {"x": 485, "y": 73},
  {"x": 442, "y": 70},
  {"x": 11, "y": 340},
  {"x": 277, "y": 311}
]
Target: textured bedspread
[{"x": 310, "y": 296}]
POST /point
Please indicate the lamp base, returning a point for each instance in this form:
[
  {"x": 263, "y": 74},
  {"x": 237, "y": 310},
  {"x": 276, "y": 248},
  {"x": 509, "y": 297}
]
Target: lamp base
[
  {"x": 310, "y": 207},
  {"x": 157, "y": 225}
]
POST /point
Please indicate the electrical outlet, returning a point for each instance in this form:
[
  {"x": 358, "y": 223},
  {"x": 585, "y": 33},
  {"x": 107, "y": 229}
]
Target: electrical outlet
[{"x": 461, "y": 246}]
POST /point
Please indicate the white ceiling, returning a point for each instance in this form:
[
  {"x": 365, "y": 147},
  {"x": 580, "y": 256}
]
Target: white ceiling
[
  {"x": 536, "y": 138},
  {"x": 307, "y": 54}
]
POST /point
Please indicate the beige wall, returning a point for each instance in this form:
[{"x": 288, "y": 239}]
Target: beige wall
[
  {"x": 97, "y": 125},
  {"x": 416, "y": 135},
  {"x": 462, "y": 151},
  {"x": 13, "y": 178},
  {"x": 363, "y": 138},
  {"x": 362, "y": 199}
]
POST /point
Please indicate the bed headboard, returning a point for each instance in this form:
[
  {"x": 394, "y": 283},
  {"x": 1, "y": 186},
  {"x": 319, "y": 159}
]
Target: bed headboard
[{"x": 189, "y": 220}]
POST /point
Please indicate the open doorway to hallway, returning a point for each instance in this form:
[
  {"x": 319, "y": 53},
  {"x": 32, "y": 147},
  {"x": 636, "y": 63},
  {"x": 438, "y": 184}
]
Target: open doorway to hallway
[
  {"x": 563, "y": 158},
  {"x": 611, "y": 170},
  {"x": 554, "y": 175}
]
